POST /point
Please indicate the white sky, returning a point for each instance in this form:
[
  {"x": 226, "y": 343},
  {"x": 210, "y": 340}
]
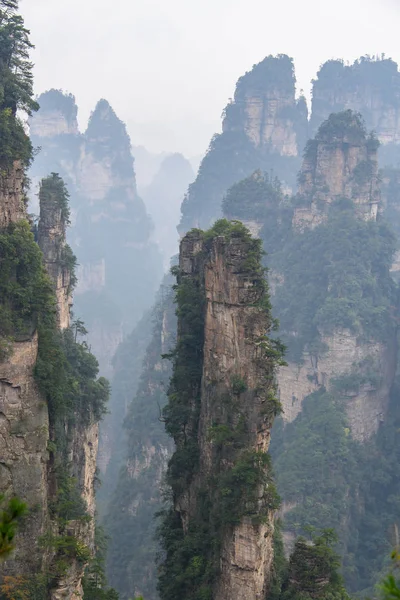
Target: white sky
[{"x": 168, "y": 67}]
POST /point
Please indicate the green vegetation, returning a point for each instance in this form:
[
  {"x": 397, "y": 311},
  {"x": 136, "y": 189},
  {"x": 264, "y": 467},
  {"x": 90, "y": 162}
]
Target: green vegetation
[
  {"x": 232, "y": 156},
  {"x": 346, "y": 125},
  {"x": 342, "y": 268},
  {"x": 16, "y": 88},
  {"x": 94, "y": 582},
  {"x": 355, "y": 83},
  {"x": 53, "y": 194},
  {"x": 11, "y": 513},
  {"x": 313, "y": 571},
  {"x": 57, "y": 100},
  {"x": 27, "y": 298},
  {"x": 191, "y": 558},
  {"x": 332, "y": 277},
  {"x": 271, "y": 73}
]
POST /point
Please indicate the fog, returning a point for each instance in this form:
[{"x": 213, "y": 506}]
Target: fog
[{"x": 169, "y": 68}]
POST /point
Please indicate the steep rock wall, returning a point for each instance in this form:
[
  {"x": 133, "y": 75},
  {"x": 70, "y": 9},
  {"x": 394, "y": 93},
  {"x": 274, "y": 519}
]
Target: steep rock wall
[
  {"x": 264, "y": 127},
  {"x": 368, "y": 86},
  {"x": 341, "y": 162},
  {"x": 265, "y": 108},
  {"x": 233, "y": 350},
  {"x": 24, "y": 422},
  {"x": 12, "y": 196}
]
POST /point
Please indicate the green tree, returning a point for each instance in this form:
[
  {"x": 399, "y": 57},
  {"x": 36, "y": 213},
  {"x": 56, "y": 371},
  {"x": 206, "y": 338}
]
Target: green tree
[
  {"x": 390, "y": 587},
  {"x": 313, "y": 571},
  {"x": 10, "y": 516},
  {"x": 16, "y": 84}
]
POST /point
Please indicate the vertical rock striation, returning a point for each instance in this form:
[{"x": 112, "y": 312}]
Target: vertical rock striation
[
  {"x": 264, "y": 127},
  {"x": 220, "y": 414},
  {"x": 340, "y": 165},
  {"x": 340, "y": 162},
  {"x": 265, "y": 108},
  {"x": 370, "y": 86},
  {"x": 24, "y": 421},
  {"x": 54, "y": 218}
]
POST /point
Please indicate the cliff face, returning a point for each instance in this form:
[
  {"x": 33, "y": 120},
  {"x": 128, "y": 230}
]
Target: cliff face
[
  {"x": 264, "y": 127},
  {"x": 110, "y": 229},
  {"x": 341, "y": 162},
  {"x": 340, "y": 165},
  {"x": 221, "y": 413},
  {"x": 265, "y": 108},
  {"x": 368, "y": 86},
  {"x": 32, "y": 450},
  {"x": 52, "y": 242},
  {"x": 12, "y": 195},
  {"x": 24, "y": 418}
]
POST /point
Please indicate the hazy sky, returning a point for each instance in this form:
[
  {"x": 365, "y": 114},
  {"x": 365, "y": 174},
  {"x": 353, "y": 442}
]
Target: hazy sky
[{"x": 168, "y": 67}]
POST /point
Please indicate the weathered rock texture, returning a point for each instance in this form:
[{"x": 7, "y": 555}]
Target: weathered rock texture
[
  {"x": 52, "y": 242},
  {"x": 264, "y": 127},
  {"x": 266, "y": 109},
  {"x": 110, "y": 229},
  {"x": 24, "y": 422},
  {"x": 12, "y": 196},
  {"x": 24, "y": 434},
  {"x": 55, "y": 118},
  {"x": 25, "y": 465},
  {"x": 370, "y": 86},
  {"x": 233, "y": 328},
  {"x": 367, "y": 406},
  {"x": 341, "y": 162}
]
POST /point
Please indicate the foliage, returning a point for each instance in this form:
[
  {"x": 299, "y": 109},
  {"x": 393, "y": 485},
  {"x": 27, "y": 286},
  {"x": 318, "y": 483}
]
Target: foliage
[
  {"x": 315, "y": 460},
  {"x": 241, "y": 482},
  {"x": 25, "y": 290},
  {"x": 57, "y": 100},
  {"x": 94, "y": 582},
  {"x": 53, "y": 195},
  {"x": 313, "y": 571},
  {"x": 279, "y": 565},
  {"x": 342, "y": 268},
  {"x": 346, "y": 125},
  {"x": 272, "y": 72},
  {"x": 16, "y": 87},
  {"x": 10, "y": 515}
]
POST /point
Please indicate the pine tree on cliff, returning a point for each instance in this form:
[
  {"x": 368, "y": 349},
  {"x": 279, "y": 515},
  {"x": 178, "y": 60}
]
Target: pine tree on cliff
[
  {"x": 16, "y": 84},
  {"x": 313, "y": 572}
]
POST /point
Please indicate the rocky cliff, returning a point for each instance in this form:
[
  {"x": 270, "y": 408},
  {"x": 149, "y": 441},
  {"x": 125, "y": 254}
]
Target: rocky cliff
[
  {"x": 340, "y": 165},
  {"x": 110, "y": 229},
  {"x": 49, "y": 427},
  {"x": 220, "y": 411},
  {"x": 340, "y": 162},
  {"x": 330, "y": 258},
  {"x": 370, "y": 86},
  {"x": 265, "y": 108},
  {"x": 57, "y": 256},
  {"x": 264, "y": 127},
  {"x": 24, "y": 419}
]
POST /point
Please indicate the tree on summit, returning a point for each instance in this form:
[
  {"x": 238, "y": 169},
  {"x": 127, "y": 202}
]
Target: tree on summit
[{"x": 16, "y": 84}]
